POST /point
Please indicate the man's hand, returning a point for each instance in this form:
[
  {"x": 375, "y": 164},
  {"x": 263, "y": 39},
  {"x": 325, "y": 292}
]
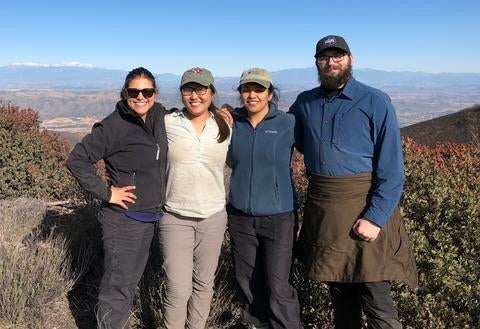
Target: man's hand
[
  {"x": 366, "y": 229},
  {"x": 120, "y": 195}
]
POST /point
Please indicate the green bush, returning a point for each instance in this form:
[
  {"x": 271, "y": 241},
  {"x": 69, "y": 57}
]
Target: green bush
[
  {"x": 31, "y": 161},
  {"x": 441, "y": 208}
]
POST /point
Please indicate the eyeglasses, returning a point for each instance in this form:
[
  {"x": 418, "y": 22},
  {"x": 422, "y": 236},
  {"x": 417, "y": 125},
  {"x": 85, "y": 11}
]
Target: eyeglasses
[
  {"x": 337, "y": 57},
  {"x": 200, "y": 91},
  {"x": 147, "y": 92}
]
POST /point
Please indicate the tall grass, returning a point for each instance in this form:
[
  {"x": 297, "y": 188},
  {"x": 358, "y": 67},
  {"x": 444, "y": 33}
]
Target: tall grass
[{"x": 34, "y": 272}]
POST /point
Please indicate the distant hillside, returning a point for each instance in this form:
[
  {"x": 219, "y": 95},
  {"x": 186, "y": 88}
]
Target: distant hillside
[
  {"x": 87, "y": 78},
  {"x": 71, "y": 138},
  {"x": 462, "y": 127}
]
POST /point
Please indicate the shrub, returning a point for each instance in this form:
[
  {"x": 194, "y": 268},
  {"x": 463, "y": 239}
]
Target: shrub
[
  {"x": 441, "y": 208},
  {"x": 31, "y": 161}
]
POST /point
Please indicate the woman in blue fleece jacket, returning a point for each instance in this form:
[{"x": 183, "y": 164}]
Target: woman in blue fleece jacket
[{"x": 261, "y": 205}]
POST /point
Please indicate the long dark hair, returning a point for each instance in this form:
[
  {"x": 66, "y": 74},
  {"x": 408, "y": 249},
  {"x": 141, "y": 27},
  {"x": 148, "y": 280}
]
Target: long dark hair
[
  {"x": 139, "y": 72},
  {"x": 276, "y": 94},
  {"x": 223, "y": 128}
]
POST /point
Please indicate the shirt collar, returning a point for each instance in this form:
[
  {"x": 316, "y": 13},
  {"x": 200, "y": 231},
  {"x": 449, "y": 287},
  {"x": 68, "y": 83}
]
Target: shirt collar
[
  {"x": 181, "y": 113},
  {"x": 350, "y": 88}
]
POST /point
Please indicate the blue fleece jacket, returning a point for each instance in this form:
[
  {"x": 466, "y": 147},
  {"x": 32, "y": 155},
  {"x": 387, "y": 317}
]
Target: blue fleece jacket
[{"x": 261, "y": 181}]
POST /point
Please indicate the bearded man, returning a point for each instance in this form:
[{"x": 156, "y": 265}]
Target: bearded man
[{"x": 352, "y": 235}]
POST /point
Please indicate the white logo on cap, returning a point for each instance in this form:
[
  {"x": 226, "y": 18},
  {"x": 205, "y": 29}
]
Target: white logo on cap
[{"x": 330, "y": 41}]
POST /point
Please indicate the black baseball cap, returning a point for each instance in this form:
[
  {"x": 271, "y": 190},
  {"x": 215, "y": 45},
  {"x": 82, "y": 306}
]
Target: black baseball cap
[{"x": 331, "y": 41}]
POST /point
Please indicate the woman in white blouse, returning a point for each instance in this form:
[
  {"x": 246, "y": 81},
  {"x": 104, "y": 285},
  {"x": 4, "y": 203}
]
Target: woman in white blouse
[{"x": 193, "y": 227}]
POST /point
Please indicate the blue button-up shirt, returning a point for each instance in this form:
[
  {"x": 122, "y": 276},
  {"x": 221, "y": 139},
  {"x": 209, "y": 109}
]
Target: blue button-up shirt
[{"x": 353, "y": 132}]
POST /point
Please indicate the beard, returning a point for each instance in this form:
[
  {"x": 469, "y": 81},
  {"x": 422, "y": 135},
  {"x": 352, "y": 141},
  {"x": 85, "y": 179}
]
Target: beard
[{"x": 334, "y": 82}]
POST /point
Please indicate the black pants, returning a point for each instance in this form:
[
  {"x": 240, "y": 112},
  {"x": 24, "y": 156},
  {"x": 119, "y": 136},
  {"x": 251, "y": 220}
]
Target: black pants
[
  {"x": 262, "y": 255},
  {"x": 349, "y": 299},
  {"x": 126, "y": 244}
]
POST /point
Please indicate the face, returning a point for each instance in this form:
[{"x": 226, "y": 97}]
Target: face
[
  {"x": 197, "y": 99},
  {"x": 140, "y": 104},
  {"x": 255, "y": 97},
  {"x": 334, "y": 70}
]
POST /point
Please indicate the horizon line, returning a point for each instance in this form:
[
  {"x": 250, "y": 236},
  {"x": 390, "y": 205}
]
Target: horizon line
[{"x": 76, "y": 64}]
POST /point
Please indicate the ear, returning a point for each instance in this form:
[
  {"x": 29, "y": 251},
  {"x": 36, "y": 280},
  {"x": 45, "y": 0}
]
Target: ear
[
  {"x": 270, "y": 96},
  {"x": 351, "y": 59}
]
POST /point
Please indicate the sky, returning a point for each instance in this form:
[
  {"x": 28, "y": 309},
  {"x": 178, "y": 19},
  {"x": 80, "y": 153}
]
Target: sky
[{"x": 230, "y": 36}]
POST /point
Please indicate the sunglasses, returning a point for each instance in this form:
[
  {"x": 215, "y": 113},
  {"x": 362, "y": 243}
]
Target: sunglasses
[{"x": 147, "y": 92}]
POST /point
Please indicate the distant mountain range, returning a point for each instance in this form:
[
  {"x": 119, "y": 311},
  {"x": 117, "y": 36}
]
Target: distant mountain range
[
  {"x": 24, "y": 76},
  {"x": 75, "y": 76},
  {"x": 462, "y": 127}
]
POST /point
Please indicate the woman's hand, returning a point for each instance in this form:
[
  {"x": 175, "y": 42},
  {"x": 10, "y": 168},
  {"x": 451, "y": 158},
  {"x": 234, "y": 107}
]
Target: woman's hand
[
  {"x": 226, "y": 115},
  {"x": 120, "y": 195}
]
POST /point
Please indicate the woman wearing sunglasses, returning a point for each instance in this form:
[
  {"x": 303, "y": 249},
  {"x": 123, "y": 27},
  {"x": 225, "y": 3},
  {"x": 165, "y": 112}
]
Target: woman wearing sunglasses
[
  {"x": 193, "y": 227},
  {"x": 132, "y": 142},
  {"x": 261, "y": 205}
]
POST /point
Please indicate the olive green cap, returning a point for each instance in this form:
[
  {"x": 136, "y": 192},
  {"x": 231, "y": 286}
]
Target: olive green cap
[
  {"x": 257, "y": 75},
  {"x": 198, "y": 75}
]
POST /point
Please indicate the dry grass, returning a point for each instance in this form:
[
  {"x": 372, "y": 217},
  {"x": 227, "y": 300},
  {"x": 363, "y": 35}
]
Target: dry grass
[{"x": 34, "y": 270}]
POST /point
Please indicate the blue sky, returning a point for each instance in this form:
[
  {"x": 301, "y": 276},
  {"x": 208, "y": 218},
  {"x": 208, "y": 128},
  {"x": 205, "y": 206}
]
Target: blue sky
[{"x": 230, "y": 36}]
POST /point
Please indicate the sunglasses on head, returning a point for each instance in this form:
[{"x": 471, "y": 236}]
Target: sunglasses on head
[{"x": 147, "y": 92}]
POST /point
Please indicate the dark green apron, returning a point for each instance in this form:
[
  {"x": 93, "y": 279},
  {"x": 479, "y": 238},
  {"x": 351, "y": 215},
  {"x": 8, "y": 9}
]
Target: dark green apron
[{"x": 333, "y": 253}]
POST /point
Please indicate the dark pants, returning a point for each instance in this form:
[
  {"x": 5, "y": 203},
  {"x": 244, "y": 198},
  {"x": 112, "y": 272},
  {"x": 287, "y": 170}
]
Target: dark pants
[
  {"x": 349, "y": 299},
  {"x": 262, "y": 256},
  {"x": 126, "y": 244}
]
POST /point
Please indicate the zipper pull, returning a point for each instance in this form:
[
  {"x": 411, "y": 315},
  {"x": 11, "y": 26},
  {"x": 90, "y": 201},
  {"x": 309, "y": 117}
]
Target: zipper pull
[
  {"x": 133, "y": 178},
  {"x": 158, "y": 152}
]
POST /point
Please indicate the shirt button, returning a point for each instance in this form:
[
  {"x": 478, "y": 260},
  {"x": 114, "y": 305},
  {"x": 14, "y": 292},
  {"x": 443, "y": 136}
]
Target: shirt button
[{"x": 323, "y": 162}]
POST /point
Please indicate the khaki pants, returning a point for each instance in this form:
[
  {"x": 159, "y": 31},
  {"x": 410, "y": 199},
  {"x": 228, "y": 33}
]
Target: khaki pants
[{"x": 190, "y": 249}]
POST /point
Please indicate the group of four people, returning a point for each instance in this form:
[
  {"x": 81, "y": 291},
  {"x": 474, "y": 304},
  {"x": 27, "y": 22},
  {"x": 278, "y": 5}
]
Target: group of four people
[{"x": 167, "y": 170}]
